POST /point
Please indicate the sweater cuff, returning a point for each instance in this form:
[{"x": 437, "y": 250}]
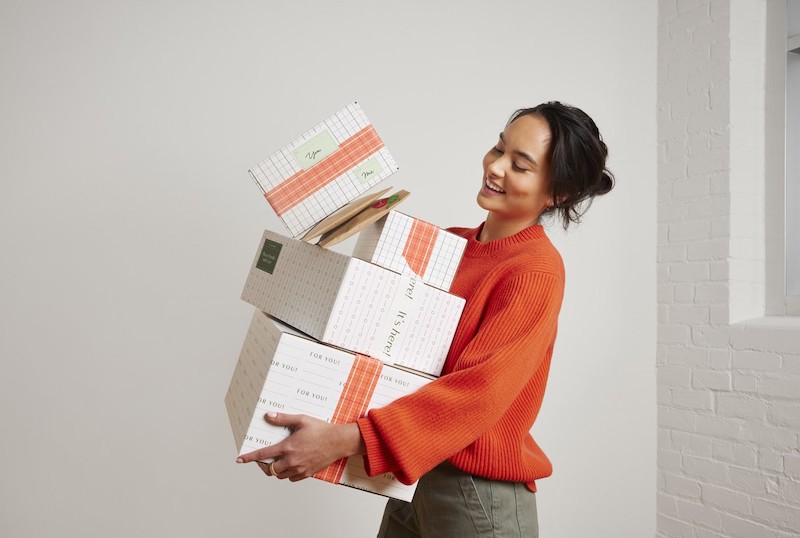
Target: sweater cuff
[{"x": 378, "y": 459}]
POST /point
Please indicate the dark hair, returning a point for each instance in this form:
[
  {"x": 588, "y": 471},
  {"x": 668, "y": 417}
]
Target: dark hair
[{"x": 577, "y": 156}]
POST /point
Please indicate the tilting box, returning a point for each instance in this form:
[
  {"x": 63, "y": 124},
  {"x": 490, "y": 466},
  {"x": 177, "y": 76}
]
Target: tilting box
[
  {"x": 281, "y": 370},
  {"x": 353, "y": 304},
  {"x": 412, "y": 246},
  {"x": 324, "y": 169}
]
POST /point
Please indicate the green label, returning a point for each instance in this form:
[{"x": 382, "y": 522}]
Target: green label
[
  {"x": 315, "y": 150},
  {"x": 269, "y": 256},
  {"x": 368, "y": 170}
]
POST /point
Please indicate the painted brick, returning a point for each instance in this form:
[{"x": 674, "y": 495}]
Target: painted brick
[
  {"x": 718, "y": 427},
  {"x": 770, "y": 512},
  {"x": 720, "y": 227},
  {"x": 680, "y": 231},
  {"x": 775, "y": 339},
  {"x": 719, "y": 359},
  {"x": 663, "y": 395},
  {"x": 665, "y": 293},
  {"x": 716, "y": 249},
  {"x": 674, "y": 376},
  {"x": 709, "y": 207},
  {"x": 745, "y": 383},
  {"x": 755, "y": 360},
  {"x": 688, "y": 314},
  {"x": 719, "y": 184},
  {"x": 687, "y": 356},
  {"x": 705, "y": 533},
  {"x": 665, "y": 504},
  {"x": 735, "y": 527},
  {"x": 753, "y": 482},
  {"x": 727, "y": 499},
  {"x": 674, "y": 528},
  {"x": 673, "y": 333},
  {"x": 780, "y": 387},
  {"x": 676, "y": 419},
  {"x": 705, "y": 164},
  {"x": 688, "y": 272},
  {"x": 699, "y": 514},
  {"x": 711, "y": 379},
  {"x": 739, "y": 406},
  {"x": 693, "y": 399},
  {"x": 736, "y": 453},
  {"x": 791, "y": 465},
  {"x": 711, "y": 293},
  {"x": 705, "y": 469},
  {"x": 710, "y": 336},
  {"x": 673, "y": 253},
  {"x": 690, "y": 189},
  {"x": 693, "y": 444},
  {"x": 669, "y": 459},
  {"x": 770, "y": 461},
  {"x": 770, "y": 437},
  {"x": 684, "y": 293},
  {"x": 718, "y": 271},
  {"x": 682, "y": 486},
  {"x": 791, "y": 364},
  {"x": 720, "y": 314}
]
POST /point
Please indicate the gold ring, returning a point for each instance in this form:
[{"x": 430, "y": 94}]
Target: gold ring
[{"x": 272, "y": 471}]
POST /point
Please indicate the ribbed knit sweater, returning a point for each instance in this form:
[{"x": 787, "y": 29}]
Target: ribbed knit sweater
[{"x": 479, "y": 412}]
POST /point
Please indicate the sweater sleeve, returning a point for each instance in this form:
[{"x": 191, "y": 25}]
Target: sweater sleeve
[{"x": 415, "y": 433}]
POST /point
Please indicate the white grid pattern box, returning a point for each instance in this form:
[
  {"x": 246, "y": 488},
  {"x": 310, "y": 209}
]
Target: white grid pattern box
[
  {"x": 353, "y": 304},
  {"x": 412, "y": 246},
  {"x": 280, "y": 370},
  {"x": 324, "y": 169}
]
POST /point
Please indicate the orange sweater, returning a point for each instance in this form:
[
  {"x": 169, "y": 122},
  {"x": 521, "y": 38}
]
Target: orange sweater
[{"x": 479, "y": 412}]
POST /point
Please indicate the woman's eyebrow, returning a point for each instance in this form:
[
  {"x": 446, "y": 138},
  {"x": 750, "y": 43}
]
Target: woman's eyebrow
[{"x": 522, "y": 154}]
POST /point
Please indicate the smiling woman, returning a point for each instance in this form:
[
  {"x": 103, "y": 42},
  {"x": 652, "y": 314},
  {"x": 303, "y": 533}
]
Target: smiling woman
[{"x": 466, "y": 435}]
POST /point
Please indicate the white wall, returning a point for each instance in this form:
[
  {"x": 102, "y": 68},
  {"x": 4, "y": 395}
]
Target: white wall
[
  {"x": 128, "y": 222},
  {"x": 728, "y": 378}
]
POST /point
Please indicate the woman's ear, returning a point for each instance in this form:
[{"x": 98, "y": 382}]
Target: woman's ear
[{"x": 556, "y": 201}]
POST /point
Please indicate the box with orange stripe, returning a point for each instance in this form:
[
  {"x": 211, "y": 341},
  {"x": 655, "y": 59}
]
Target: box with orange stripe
[
  {"x": 411, "y": 246},
  {"x": 353, "y": 304},
  {"x": 279, "y": 369},
  {"x": 324, "y": 169}
]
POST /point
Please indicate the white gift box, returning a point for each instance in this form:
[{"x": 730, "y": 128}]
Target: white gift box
[
  {"x": 281, "y": 370},
  {"x": 324, "y": 169},
  {"x": 412, "y": 246},
  {"x": 353, "y": 304}
]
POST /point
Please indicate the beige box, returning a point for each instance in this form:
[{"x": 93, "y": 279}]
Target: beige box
[
  {"x": 353, "y": 304},
  {"x": 281, "y": 370},
  {"x": 411, "y": 246}
]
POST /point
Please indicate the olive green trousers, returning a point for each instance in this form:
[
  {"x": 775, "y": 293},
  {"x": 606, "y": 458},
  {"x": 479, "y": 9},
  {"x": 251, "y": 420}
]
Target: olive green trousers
[{"x": 450, "y": 503}]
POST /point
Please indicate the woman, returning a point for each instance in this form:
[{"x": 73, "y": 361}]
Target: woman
[{"x": 465, "y": 436}]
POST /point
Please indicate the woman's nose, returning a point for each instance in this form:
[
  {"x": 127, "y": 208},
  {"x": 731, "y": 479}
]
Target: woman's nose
[{"x": 495, "y": 167}]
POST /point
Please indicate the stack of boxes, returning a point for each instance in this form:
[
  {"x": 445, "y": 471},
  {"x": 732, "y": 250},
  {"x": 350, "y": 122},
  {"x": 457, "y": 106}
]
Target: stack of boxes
[{"x": 333, "y": 335}]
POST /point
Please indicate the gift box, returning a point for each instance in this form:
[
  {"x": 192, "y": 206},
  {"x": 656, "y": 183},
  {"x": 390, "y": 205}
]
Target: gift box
[
  {"x": 353, "y": 304},
  {"x": 324, "y": 169},
  {"x": 281, "y": 370},
  {"x": 411, "y": 246}
]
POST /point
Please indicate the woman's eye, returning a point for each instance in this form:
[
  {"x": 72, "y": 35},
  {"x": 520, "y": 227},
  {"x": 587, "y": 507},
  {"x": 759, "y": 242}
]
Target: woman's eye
[
  {"x": 519, "y": 168},
  {"x": 497, "y": 150}
]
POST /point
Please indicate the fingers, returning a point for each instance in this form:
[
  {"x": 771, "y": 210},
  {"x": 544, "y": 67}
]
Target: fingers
[
  {"x": 284, "y": 419},
  {"x": 266, "y": 453}
]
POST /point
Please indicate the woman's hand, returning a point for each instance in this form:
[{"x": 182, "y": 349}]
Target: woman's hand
[{"x": 313, "y": 445}]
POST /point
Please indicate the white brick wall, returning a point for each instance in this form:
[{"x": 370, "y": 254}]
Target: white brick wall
[{"x": 728, "y": 389}]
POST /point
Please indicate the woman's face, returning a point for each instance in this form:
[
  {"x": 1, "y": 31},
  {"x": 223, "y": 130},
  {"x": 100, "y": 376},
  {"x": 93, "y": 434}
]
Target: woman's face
[{"x": 516, "y": 172}]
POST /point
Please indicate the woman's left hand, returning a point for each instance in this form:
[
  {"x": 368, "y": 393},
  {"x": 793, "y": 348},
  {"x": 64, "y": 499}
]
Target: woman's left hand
[{"x": 313, "y": 445}]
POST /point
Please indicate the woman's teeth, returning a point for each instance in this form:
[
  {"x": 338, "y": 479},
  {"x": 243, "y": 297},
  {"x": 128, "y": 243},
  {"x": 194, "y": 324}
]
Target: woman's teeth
[{"x": 492, "y": 187}]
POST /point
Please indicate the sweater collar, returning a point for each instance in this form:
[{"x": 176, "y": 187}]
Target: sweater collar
[{"x": 476, "y": 248}]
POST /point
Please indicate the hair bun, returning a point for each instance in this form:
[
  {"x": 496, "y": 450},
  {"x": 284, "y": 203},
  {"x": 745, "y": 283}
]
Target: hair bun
[{"x": 605, "y": 184}]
